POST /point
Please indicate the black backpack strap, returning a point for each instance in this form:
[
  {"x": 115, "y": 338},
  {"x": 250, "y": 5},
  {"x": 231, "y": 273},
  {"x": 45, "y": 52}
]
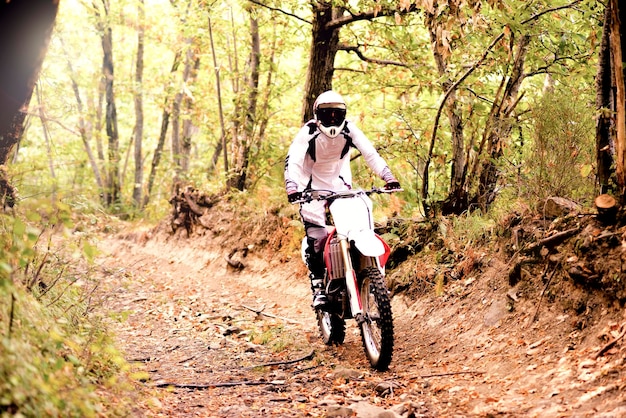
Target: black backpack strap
[
  {"x": 314, "y": 134},
  {"x": 312, "y": 125},
  {"x": 346, "y": 134}
]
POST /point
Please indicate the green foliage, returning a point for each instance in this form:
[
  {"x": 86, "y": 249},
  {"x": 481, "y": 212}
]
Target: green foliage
[
  {"x": 54, "y": 352},
  {"x": 559, "y": 159},
  {"x": 395, "y": 105},
  {"x": 472, "y": 228}
]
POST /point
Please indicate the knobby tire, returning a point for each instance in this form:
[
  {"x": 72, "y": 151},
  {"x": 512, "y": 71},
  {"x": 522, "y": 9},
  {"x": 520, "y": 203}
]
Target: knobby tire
[
  {"x": 377, "y": 329},
  {"x": 332, "y": 327}
]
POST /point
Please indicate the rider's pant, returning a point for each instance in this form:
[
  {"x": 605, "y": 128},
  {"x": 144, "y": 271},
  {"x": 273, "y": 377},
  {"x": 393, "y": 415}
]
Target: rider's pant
[{"x": 314, "y": 218}]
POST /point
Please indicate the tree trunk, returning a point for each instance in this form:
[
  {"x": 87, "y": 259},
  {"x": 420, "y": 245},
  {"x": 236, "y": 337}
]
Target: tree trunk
[
  {"x": 85, "y": 133},
  {"x": 138, "y": 184},
  {"x": 189, "y": 76},
  {"x": 499, "y": 128},
  {"x": 221, "y": 145},
  {"x": 25, "y": 29},
  {"x": 456, "y": 201},
  {"x": 620, "y": 99},
  {"x": 242, "y": 139},
  {"x": 46, "y": 133},
  {"x": 324, "y": 47},
  {"x": 113, "y": 172},
  {"x": 175, "y": 138},
  {"x": 328, "y": 20},
  {"x": 605, "y": 105},
  {"x": 158, "y": 151}
]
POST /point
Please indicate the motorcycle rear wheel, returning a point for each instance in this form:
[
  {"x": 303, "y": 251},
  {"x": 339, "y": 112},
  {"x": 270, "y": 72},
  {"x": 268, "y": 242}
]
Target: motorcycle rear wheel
[
  {"x": 332, "y": 327},
  {"x": 377, "y": 328}
]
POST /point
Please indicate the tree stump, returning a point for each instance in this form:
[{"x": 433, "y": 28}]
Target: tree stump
[{"x": 607, "y": 207}]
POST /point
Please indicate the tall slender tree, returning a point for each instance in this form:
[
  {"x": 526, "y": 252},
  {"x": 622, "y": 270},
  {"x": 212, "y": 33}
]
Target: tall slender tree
[
  {"x": 138, "y": 98},
  {"x": 106, "y": 33},
  {"x": 245, "y": 117}
]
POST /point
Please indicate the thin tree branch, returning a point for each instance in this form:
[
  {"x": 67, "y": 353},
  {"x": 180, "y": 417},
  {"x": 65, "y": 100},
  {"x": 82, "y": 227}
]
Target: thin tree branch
[
  {"x": 239, "y": 383},
  {"x": 543, "y": 292},
  {"x": 360, "y": 54},
  {"x": 611, "y": 343},
  {"x": 372, "y": 14},
  {"x": 258, "y": 3},
  {"x": 426, "y": 376},
  {"x": 550, "y": 10}
]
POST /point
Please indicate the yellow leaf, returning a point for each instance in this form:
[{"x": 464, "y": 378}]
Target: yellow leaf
[{"x": 585, "y": 170}]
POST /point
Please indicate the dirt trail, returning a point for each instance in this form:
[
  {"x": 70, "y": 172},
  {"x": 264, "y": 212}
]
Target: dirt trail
[{"x": 188, "y": 319}]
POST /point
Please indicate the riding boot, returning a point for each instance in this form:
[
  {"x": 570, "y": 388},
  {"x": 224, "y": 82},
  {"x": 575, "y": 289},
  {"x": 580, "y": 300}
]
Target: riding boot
[
  {"x": 319, "y": 293},
  {"x": 315, "y": 263}
]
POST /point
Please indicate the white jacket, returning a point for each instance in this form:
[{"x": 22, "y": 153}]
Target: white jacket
[{"x": 316, "y": 161}]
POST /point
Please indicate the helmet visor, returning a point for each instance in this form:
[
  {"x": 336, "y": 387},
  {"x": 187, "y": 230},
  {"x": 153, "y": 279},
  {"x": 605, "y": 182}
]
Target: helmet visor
[{"x": 331, "y": 116}]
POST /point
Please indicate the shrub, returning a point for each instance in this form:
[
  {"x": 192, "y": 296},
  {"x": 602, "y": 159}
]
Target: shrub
[
  {"x": 56, "y": 357},
  {"x": 559, "y": 160}
]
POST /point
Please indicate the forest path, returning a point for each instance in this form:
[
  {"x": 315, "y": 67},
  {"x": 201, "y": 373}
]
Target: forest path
[{"x": 188, "y": 319}]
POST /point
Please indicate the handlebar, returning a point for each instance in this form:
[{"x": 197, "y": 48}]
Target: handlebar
[{"x": 311, "y": 195}]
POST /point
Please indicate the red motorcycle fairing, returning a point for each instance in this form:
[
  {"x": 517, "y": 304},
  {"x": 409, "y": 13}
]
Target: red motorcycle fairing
[
  {"x": 332, "y": 272},
  {"x": 336, "y": 270},
  {"x": 383, "y": 258}
]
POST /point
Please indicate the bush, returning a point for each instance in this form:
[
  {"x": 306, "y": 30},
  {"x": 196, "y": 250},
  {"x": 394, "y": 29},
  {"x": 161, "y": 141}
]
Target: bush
[
  {"x": 559, "y": 161},
  {"x": 56, "y": 357}
]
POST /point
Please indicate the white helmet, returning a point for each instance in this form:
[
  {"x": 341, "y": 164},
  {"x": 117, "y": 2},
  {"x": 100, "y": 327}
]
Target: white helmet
[{"x": 329, "y": 111}]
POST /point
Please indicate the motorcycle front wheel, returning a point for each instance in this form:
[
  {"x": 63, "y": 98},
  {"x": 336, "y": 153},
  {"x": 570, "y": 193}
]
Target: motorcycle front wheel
[
  {"x": 332, "y": 327},
  {"x": 377, "y": 327}
]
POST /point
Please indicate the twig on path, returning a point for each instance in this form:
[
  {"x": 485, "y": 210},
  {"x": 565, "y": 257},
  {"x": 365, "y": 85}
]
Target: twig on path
[
  {"x": 260, "y": 312},
  {"x": 240, "y": 383},
  {"x": 426, "y": 376},
  {"x": 219, "y": 384},
  {"x": 276, "y": 363},
  {"x": 236, "y": 264},
  {"x": 611, "y": 343},
  {"x": 545, "y": 288},
  {"x": 306, "y": 369},
  {"x": 140, "y": 360}
]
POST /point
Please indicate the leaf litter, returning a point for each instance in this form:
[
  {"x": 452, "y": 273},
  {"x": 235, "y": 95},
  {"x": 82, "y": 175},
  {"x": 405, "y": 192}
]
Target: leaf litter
[{"x": 516, "y": 334}]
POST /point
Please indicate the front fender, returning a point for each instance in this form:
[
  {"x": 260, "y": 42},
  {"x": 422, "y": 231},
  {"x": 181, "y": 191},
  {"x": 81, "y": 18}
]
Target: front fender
[{"x": 368, "y": 243}]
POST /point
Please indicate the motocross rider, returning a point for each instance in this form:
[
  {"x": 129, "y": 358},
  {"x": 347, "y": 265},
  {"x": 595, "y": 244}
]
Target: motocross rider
[{"x": 319, "y": 159}]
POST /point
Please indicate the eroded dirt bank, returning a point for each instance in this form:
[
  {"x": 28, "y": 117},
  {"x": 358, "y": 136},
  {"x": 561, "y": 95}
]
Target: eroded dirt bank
[{"x": 221, "y": 342}]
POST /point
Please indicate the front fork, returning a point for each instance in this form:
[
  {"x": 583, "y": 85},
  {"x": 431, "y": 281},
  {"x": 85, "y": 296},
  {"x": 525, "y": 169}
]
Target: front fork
[{"x": 354, "y": 295}]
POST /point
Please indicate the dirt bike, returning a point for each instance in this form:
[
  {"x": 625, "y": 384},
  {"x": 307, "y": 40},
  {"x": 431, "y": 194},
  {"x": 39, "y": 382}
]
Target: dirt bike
[{"x": 355, "y": 258}]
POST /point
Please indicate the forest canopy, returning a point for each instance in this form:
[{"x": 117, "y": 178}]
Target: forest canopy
[{"x": 468, "y": 100}]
